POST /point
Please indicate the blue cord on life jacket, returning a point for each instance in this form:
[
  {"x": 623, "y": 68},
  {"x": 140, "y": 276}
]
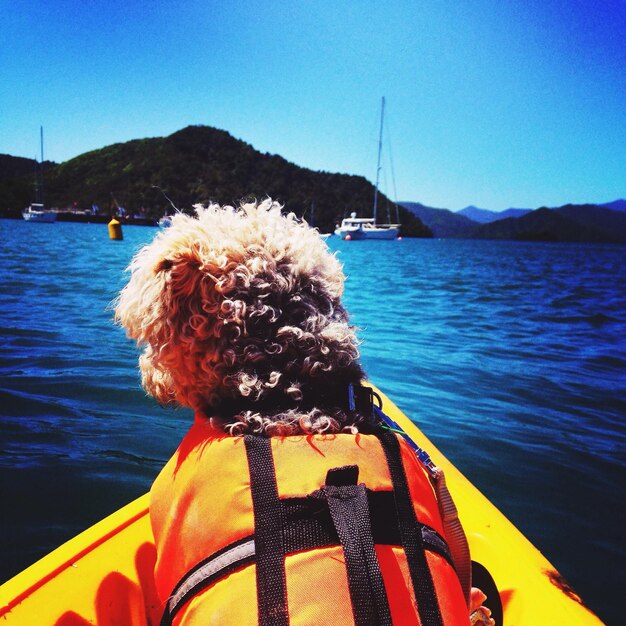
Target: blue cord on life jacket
[
  {"x": 422, "y": 455},
  {"x": 362, "y": 398}
]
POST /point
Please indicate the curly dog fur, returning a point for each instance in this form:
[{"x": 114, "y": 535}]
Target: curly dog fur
[{"x": 238, "y": 313}]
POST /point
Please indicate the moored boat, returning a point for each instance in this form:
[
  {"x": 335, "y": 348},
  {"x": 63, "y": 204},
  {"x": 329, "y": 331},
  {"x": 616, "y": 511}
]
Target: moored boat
[
  {"x": 37, "y": 213},
  {"x": 354, "y": 227},
  {"x": 104, "y": 575}
]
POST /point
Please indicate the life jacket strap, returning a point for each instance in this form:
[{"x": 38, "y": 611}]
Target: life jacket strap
[
  {"x": 349, "y": 510},
  {"x": 271, "y": 580},
  {"x": 455, "y": 535},
  {"x": 317, "y": 534},
  {"x": 219, "y": 565},
  {"x": 412, "y": 542}
]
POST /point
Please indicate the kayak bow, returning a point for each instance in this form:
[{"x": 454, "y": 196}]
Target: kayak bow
[{"x": 104, "y": 575}]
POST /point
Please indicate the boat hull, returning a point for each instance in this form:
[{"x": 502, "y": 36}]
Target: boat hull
[
  {"x": 104, "y": 575},
  {"x": 45, "y": 217},
  {"x": 362, "y": 234}
]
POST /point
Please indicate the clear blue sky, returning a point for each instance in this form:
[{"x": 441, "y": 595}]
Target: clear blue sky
[{"x": 496, "y": 103}]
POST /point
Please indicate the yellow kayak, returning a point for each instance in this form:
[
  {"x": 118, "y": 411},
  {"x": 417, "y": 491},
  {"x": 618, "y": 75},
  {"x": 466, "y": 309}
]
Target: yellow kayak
[{"x": 104, "y": 575}]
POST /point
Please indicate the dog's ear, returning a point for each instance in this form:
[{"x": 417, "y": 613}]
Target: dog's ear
[
  {"x": 190, "y": 299},
  {"x": 183, "y": 271},
  {"x": 182, "y": 262},
  {"x": 164, "y": 266}
]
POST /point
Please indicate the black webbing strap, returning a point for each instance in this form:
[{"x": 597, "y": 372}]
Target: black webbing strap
[
  {"x": 411, "y": 537},
  {"x": 349, "y": 511},
  {"x": 300, "y": 536},
  {"x": 271, "y": 580}
]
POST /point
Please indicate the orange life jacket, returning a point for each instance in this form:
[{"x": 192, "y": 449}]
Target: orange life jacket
[{"x": 303, "y": 530}]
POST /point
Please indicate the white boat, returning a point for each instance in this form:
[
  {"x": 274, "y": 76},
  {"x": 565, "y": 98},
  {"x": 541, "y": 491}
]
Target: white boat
[
  {"x": 354, "y": 227},
  {"x": 36, "y": 213}
]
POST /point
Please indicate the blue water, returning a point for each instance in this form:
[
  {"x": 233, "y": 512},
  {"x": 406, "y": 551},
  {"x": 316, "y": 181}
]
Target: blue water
[{"x": 510, "y": 356}]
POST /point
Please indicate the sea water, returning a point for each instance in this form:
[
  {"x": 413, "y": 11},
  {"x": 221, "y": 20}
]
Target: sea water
[{"x": 511, "y": 357}]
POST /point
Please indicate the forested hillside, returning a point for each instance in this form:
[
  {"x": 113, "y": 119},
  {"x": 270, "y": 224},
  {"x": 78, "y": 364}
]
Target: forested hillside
[{"x": 200, "y": 164}]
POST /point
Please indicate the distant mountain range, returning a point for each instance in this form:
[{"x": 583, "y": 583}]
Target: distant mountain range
[
  {"x": 484, "y": 216},
  {"x": 581, "y": 223},
  {"x": 442, "y": 222},
  {"x": 616, "y": 205}
]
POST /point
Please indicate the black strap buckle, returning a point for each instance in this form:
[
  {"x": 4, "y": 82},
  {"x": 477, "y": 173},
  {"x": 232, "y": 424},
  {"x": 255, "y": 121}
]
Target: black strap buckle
[{"x": 361, "y": 399}]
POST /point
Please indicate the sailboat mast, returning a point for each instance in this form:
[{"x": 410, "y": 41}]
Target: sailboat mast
[
  {"x": 41, "y": 172},
  {"x": 380, "y": 147}
]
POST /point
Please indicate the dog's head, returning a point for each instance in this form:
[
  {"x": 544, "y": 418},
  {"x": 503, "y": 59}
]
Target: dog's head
[{"x": 239, "y": 315}]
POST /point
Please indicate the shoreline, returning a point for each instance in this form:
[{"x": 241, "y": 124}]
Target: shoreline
[{"x": 84, "y": 218}]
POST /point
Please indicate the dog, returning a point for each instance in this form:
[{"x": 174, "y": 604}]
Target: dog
[
  {"x": 243, "y": 307},
  {"x": 238, "y": 315}
]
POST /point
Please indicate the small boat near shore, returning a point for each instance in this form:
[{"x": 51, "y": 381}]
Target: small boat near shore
[
  {"x": 37, "y": 213},
  {"x": 104, "y": 575}
]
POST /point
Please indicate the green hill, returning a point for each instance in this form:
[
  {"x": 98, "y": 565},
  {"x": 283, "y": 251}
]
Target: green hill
[{"x": 200, "y": 164}]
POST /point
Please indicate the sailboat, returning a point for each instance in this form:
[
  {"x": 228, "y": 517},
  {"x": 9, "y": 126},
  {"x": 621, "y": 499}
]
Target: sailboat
[
  {"x": 354, "y": 227},
  {"x": 36, "y": 212}
]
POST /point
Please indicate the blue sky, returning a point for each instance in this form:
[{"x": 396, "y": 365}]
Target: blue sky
[{"x": 496, "y": 103}]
